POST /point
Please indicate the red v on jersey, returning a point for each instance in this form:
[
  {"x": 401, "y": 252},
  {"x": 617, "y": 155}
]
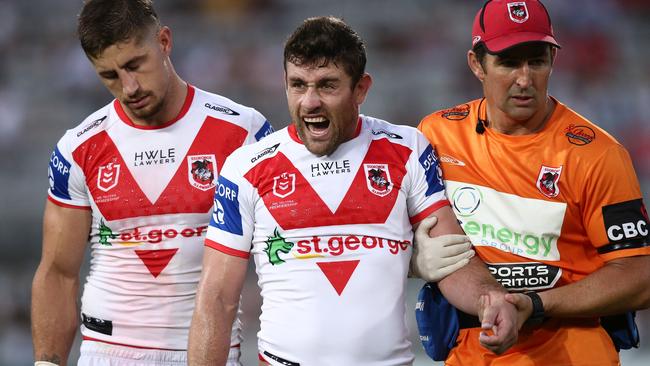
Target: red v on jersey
[
  {"x": 303, "y": 207},
  {"x": 156, "y": 260},
  {"x": 124, "y": 198},
  {"x": 338, "y": 273}
]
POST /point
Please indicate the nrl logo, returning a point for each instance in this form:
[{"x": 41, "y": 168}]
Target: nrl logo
[
  {"x": 378, "y": 179},
  {"x": 284, "y": 184},
  {"x": 200, "y": 171},
  {"x": 108, "y": 176}
]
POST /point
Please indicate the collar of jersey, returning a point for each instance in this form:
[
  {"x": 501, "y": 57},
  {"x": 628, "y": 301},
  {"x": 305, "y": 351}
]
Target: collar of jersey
[
  {"x": 294, "y": 134},
  {"x": 186, "y": 106}
]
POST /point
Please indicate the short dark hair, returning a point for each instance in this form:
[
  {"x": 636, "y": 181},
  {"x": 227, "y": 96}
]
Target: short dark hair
[
  {"x": 103, "y": 23},
  {"x": 320, "y": 40}
]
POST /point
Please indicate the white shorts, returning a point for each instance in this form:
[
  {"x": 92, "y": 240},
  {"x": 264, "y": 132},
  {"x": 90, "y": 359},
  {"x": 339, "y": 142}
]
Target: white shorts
[{"x": 94, "y": 353}]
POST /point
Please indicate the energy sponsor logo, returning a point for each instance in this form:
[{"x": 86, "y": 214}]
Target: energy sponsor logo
[
  {"x": 201, "y": 171},
  {"x": 522, "y": 226},
  {"x": 525, "y": 276},
  {"x": 108, "y": 176},
  {"x": 626, "y": 222},
  {"x": 226, "y": 215},
  {"x": 466, "y": 200},
  {"x": 142, "y": 235},
  {"x": 432, "y": 172},
  {"x": 322, "y": 168},
  {"x": 58, "y": 174}
]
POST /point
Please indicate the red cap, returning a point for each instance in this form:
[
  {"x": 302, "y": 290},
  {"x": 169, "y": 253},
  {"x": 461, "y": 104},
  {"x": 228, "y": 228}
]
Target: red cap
[{"x": 501, "y": 24}]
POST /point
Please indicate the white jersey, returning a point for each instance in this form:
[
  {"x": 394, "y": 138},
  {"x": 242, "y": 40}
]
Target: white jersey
[
  {"x": 332, "y": 239},
  {"x": 150, "y": 193}
]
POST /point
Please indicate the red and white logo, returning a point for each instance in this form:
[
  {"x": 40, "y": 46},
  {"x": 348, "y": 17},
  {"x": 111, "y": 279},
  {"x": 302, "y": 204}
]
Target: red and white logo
[
  {"x": 518, "y": 11},
  {"x": 108, "y": 176},
  {"x": 284, "y": 184},
  {"x": 200, "y": 171},
  {"x": 547, "y": 181},
  {"x": 378, "y": 179}
]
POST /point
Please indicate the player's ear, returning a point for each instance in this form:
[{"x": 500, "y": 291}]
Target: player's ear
[
  {"x": 165, "y": 39},
  {"x": 362, "y": 87},
  {"x": 475, "y": 65}
]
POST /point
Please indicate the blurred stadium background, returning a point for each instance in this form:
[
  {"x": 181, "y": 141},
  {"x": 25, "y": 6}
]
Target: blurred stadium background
[{"x": 234, "y": 47}]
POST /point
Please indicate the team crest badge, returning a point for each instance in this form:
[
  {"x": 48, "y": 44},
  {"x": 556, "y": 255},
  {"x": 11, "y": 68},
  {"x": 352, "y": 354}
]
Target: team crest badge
[
  {"x": 201, "y": 171},
  {"x": 518, "y": 11},
  {"x": 108, "y": 176},
  {"x": 378, "y": 179},
  {"x": 547, "y": 181},
  {"x": 284, "y": 184}
]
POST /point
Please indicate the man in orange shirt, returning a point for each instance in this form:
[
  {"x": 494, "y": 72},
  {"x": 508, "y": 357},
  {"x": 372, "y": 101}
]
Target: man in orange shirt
[{"x": 550, "y": 201}]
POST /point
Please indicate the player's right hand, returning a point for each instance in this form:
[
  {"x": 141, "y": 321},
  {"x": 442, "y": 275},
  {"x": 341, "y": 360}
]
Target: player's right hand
[{"x": 435, "y": 258}]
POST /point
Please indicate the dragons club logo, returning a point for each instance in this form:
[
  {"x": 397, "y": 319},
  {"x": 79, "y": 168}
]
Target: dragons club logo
[
  {"x": 284, "y": 184},
  {"x": 276, "y": 244},
  {"x": 200, "y": 171},
  {"x": 378, "y": 179},
  {"x": 518, "y": 11},
  {"x": 547, "y": 181},
  {"x": 107, "y": 176}
]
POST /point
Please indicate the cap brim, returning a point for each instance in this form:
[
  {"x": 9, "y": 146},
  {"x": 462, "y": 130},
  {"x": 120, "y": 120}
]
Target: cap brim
[{"x": 499, "y": 44}]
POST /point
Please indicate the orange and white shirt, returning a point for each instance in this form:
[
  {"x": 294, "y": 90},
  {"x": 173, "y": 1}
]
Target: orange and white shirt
[{"x": 543, "y": 210}]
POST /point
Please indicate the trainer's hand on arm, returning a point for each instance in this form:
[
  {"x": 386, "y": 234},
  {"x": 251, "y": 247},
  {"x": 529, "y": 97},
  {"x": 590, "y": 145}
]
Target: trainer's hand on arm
[
  {"x": 500, "y": 320},
  {"x": 434, "y": 258}
]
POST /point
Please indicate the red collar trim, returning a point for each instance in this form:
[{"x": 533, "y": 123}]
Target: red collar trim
[
  {"x": 294, "y": 134},
  {"x": 186, "y": 106}
]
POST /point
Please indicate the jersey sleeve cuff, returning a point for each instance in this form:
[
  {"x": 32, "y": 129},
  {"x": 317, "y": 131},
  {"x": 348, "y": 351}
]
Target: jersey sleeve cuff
[
  {"x": 624, "y": 253},
  {"x": 227, "y": 250},
  {"x": 68, "y": 205},
  {"x": 427, "y": 211}
]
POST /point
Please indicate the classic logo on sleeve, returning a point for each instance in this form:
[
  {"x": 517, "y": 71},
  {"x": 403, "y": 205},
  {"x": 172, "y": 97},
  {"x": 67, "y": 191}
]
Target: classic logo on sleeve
[
  {"x": 200, "y": 171},
  {"x": 58, "y": 175},
  {"x": 264, "y": 131},
  {"x": 108, "y": 176},
  {"x": 378, "y": 179},
  {"x": 226, "y": 215},
  {"x": 626, "y": 223},
  {"x": 432, "y": 171}
]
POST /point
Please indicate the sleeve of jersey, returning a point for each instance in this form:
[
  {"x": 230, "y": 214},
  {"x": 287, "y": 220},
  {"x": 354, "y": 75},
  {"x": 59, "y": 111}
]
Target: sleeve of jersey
[
  {"x": 231, "y": 225},
  {"x": 260, "y": 127},
  {"x": 426, "y": 190},
  {"x": 615, "y": 215},
  {"x": 66, "y": 179}
]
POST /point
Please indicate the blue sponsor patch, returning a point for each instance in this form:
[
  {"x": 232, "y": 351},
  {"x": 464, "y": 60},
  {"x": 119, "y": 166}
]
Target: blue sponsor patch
[
  {"x": 59, "y": 173},
  {"x": 266, "y": 130},
  {"x": 226, "y": 215},
  {"x": 432, "y": 173}
]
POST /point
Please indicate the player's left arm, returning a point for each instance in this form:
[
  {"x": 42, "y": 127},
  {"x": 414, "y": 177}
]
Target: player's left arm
[
  {"x": 217, "y": 301},
  {"x": 616, "y": 221}
]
